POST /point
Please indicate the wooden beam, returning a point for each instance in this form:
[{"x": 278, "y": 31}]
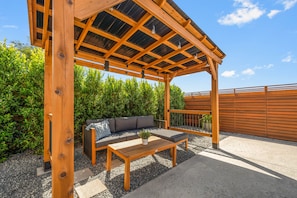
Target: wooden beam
[
  {"x": 167, "y": 101},
  {"x": 212, "y": 68},
  {"x": 47, "y": 104},
  {"x": 173, "y": 53},
  {"x": 63, "y": 99},
  {"x": 178, "y": 64},
  {"x": 164, "y": 17},
  {"x": 193, "y": 69},
  {"x": 127, "y": 72},
  {"x": 119, "y": 64},
  {"x": 141, "y": 22},
  {"x": 200, "y": 133},
  {"x": 45, "y": 21},
  {"x": 85, "y": 32},
  {"x": 215, "y": 110},
  {"x": 86, "y": 8},
  {"x": 32, "y": 20}
]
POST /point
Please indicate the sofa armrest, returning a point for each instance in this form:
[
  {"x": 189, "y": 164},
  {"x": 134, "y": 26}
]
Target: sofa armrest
[
  {"x": 160, "y": 123},
  {"x": 89, "y": 137}
]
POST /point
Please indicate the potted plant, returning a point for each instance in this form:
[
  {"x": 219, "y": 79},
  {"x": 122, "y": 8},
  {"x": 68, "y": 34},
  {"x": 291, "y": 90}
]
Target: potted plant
[
  {"x": 206, "y": 122},
  {"x": 144, "y": 134}
]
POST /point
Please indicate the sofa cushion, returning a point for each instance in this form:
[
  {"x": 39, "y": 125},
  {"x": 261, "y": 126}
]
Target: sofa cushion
[
  {"x": 125, "y": 123},
  {"x": 112, "y": 124},
  {"x": 93, "y": 121},
  {"x": 102, "y": 129},
  {"x": 117, "y": 137},
  {"x": 173, "y": 136},
  {"x": 110, "y": 120},
  {"x": 131, "y": 134},
  {"x": 145, "y": 121}
]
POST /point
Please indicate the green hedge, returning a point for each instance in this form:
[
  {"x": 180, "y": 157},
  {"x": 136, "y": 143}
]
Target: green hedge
[{"x": 95, "y": 96}]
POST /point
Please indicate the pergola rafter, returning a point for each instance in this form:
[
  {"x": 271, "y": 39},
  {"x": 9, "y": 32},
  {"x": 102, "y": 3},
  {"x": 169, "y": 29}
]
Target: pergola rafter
[{"x": 151, "y": 39}]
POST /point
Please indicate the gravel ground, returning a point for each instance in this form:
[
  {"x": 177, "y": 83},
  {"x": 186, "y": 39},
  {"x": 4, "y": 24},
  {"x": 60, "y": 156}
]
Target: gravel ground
[{"x": 18, "y": 174}]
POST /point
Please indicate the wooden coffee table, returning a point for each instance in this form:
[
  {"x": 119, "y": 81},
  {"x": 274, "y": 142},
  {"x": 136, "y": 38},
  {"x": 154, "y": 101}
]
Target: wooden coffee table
[{"x": 133, "y": 149}]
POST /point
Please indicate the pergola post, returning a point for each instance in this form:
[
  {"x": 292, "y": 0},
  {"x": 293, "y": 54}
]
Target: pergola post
[
  {"x": 47, "y": 105},
  {"x": 63, "y": 99},
  {"x": 215, "y": 108},
  {"x": 167, "y": 102}
]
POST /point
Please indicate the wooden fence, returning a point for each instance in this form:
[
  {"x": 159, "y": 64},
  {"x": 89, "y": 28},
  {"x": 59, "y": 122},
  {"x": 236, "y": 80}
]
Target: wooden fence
[{"x": 269, "y": 111}]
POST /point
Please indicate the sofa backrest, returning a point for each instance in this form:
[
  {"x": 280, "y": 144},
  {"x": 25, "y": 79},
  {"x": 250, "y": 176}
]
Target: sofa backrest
[
  {"x": 145, "y": 122},
  {"x": 127, "y": 123}
]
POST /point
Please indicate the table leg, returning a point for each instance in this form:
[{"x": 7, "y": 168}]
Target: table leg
[
  {"x": 108, "y": 160},
  {"x": 174, "y": 156},
  {"x": 127, "y": 175}
]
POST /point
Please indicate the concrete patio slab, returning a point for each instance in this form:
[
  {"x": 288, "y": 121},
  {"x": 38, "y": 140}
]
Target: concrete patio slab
[
  {"x": 40, "y": 171},
  {"x": 245, "y": 166},
  {"x": 90, "y": 189},
  {"x": 83, "y": 174}
]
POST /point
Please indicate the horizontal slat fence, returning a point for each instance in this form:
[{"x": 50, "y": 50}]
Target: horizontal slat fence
[{"x": 269, "y": 111}]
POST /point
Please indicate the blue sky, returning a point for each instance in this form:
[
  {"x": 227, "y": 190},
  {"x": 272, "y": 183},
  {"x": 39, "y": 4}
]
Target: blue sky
[{"x": 258, "y": 37}]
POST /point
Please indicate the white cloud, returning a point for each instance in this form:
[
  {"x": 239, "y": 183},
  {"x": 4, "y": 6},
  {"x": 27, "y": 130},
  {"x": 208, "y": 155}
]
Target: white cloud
[
  {"x": 288, "y": 4},
  {"x": 272, "y": 13},
  {"x": 248, "y": 71},
  {"x": 228, "y": 74},
  {"x": 268, "y": 66},
  {"x": 287, "y": 59},
  {"x": 263, "y": 67},
  {"x": 10, "y": 26},
  {"x": 246, "y": 12}
]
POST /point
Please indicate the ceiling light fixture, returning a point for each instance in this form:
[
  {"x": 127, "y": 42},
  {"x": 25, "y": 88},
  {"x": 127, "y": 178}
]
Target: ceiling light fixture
[
  {"x": 195, "y": 56},
  {"x": 179, "y": 45},
  {"x": 154, "y": 29}
]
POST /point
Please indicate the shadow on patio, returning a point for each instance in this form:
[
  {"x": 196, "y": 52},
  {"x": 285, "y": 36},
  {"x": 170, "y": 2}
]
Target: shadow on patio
[{"x": 245, "y": 166}]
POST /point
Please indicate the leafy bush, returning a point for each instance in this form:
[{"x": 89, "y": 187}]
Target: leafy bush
[
  {"x": 21, "y": 98},
  {"x": 12, "y": 64}
]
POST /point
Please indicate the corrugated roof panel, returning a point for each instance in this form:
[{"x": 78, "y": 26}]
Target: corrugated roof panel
[
  {"x": 141, "y": 39},
  {"x": 138, "y": 65},
  {"x": 99, "y": 41},
  {"x": 163, "y": 64},
  {"x": 117, "y": 59},
  {"x": 39, "y": 36},
  {"x": 49, "y": 28},
  {"x": 203, "y": 58},
  {"x": 194, "y": 50},
  {"x": 40, "y": 2},
  {"x": 127, "y": 51},
  {"x": 39, "y": 20},
  {"x": 162, "y": 50},
  {"x": 178, "y": 57},
  {"x": 131, "y": 9},
  {"x": 191, "y": 63},
  {"x": 160, "y": 28},
  {"x": 147, "y": 58},
  {"x": 111, "y": 24},
  {"x": 175, "y": 69},
  {"x": 77, "y": 32},
  {"x": 178, "y": 39},
  {"x": 90, "y": 51}
]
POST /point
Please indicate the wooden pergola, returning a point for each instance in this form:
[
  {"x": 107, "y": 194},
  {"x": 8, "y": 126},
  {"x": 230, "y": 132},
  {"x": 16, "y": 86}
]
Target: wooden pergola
[{"x": 151, "y": 39}]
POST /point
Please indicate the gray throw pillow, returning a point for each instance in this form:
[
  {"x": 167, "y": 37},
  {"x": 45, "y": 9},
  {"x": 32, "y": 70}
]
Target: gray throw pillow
[{"x": 102, "y": 129}]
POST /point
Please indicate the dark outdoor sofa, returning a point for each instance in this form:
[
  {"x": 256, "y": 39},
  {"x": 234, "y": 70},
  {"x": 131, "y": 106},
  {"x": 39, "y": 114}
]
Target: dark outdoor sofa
[{"x": 122, "y": 129}]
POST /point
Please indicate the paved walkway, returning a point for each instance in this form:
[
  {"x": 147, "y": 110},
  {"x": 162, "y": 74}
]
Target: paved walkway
[{"x": 245, "y": 166}]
